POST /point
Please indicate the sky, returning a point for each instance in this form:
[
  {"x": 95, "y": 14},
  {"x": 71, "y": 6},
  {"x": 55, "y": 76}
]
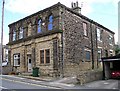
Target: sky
[{"x": 105, "y": 12}]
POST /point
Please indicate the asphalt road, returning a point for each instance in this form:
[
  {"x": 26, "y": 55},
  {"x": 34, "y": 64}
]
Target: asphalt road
[{"x": 11, "y": 83}]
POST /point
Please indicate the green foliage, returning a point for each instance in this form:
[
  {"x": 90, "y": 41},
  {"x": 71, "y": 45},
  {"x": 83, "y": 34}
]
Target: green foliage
[{"x": 117, "y": 50}]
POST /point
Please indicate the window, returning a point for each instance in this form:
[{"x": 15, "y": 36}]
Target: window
[
  {"x": 14, "y": 35},
  {"x": 16, "y": 58},
  {"x": 39, "y": 27},
  {"x": 85, "y": 28},
  {"x": 21, "y": 33},
  {"x": 41, "y": 56},
  {"x": 111, "y": 52},
  {"x": 44, "y": 56},
  {"x": 47, "y": 55},
  {"x": 88, "y": 55},
  {"x": 106, "y": 53},
  {"x": 99, "y": 53},
  {"x": 50, "y": 23},
  {"x": 110, "y": 39},
  {"x": 99, "y": 37}
]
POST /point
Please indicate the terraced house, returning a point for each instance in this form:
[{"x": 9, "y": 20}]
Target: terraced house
[{"x": 60, "y": 41}]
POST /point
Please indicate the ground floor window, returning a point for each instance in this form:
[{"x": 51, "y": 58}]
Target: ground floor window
[
  {"x": 16, "y": 59},
  {"x": 99, "y": 53},
  {"x": 45, "y": 56},
  {"x": 88, "y": 55}
]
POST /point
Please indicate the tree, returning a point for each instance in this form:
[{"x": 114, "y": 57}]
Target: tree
[{"x": 117, "y": 49}]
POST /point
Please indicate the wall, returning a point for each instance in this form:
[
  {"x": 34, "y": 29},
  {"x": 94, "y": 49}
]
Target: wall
[
  {"x": 74, "y": 45},
  {"x": 89, "y": 76}
]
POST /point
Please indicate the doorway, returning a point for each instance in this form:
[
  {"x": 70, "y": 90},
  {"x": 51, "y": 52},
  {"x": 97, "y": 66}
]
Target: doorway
[{"x": 29, "y": 63}]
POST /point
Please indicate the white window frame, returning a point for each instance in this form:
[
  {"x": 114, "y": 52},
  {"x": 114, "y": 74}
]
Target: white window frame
[
  {"x": 111, "y": 52},
  {"x": 21, "y": 33},
  {"x": 100, "y": 52},
  {"x": 99, "y": 34},
  {"x": 85, "y": 28},
  {"x": 16, "y": 59},
  {"x": 14, "y": 35},
  {"x": 110, "y": 39}
]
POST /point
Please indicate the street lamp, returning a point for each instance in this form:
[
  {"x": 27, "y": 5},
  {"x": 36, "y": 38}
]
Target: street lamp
[{"x": 1, "y": 44}]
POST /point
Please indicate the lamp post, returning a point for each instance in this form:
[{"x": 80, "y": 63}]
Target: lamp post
[{"x": 1, "y": 44}]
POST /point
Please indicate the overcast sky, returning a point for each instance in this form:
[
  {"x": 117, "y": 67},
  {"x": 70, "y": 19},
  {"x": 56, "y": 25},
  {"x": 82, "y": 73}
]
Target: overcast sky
[{"x": 101, "y": 11}]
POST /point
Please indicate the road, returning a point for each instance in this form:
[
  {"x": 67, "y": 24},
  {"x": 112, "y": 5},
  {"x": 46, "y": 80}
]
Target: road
[{"x": 13, "y": 82}]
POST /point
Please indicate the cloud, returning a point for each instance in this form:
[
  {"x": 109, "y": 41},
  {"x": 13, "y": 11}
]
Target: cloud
[{"x": 31, "y": 6}]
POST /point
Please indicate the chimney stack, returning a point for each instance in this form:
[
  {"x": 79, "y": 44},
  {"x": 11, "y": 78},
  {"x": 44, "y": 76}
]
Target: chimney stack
[{"x": 75, "y": 7}]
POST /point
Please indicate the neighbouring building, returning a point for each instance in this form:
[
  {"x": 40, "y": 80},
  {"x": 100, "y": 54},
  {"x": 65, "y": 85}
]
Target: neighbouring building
[
  {"x": 5, "y": 53},
  {"x": 60, "y": 41},
  {"x": 119, "y": 23}
]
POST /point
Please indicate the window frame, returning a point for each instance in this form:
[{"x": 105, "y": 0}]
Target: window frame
[
  {"x": 45, "y": 56},
  {"x": 42, "y": 57},
  {"x": 111, "y": 52},
  {"x": 88, "y": 50},
  {"x": 39, "y": 25},
  {"x": 21, "y": 33},
  {"x": 110, "y": 40},
  {"x": 88, "y": 59},
  {"x": 14, "y": 36},
  {"x": 85, "y": 29},
  {"x": 50, "y": 22},
  {"x": 18, "y": 59},
  {"x": 99, "y": 34},
  {"x": 99, "y": 52}
]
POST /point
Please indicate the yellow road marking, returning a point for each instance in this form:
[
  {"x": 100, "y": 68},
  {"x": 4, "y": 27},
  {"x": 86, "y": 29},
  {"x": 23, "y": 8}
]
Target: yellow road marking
[{"x": 31, "y": 84}]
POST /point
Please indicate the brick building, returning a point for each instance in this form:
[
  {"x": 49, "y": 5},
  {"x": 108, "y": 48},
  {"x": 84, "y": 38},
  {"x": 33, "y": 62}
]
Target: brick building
[{"x": 60, "y": 41}]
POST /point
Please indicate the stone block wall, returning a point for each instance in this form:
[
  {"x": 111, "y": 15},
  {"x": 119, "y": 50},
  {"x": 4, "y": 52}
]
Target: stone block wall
[
  {"x": 89, "y": 76},
  {"x": 74, "y": 45}
]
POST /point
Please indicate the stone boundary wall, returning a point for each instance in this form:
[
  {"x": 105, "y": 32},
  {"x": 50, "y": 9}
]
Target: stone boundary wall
[
  {"x": 89, "y": 76},
  {"x": 6, "y": 70}
]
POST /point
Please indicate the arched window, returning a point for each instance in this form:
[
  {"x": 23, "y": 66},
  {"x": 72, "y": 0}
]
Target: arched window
[
  {"x": 39, "y": 27},
  {"x": 21, "y": 32},
  {"x": 14, "y": 35},
  {"x": 50, "y": 23}
]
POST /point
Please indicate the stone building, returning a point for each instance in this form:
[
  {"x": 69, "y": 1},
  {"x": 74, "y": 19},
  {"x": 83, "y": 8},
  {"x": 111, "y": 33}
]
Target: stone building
[{"x": 60, "y": 41}]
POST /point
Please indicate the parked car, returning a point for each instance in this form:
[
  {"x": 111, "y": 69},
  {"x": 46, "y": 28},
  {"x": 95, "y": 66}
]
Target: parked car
[{"x": 115, "y": 74}]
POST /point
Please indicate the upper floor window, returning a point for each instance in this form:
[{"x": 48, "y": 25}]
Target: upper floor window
[
  {"x": 14, "y": 35},
  {"x": 21, "y": 33},
  {"x": 111, "y": 52},
  {"x": 39, "y": 27},
  {"x": 99, "y": 37},
  {"x": 85, "y": 28},
  {"x": 50, "y": 23},
  {"x": 110, "y": 39},
  {"x": 106, "y": 53}
]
